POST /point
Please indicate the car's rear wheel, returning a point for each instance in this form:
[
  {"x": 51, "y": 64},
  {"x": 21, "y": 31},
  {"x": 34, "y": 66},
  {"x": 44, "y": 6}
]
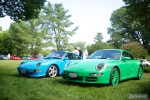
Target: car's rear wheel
[
  {"x": 114, "y": 77},
  {"x": 52, "y": 71},
  {"x": 140, "y": 73}
]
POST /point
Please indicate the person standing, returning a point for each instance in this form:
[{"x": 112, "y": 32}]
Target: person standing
[
  {"x": 80, "y": 52},
  {"x": 76, "y": 51},
  {"x": 85, "y": 54},
  {"x": 8, "y": 56}
]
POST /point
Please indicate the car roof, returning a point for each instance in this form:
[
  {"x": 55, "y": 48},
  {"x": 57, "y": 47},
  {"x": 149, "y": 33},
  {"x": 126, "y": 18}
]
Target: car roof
[
  {"x": 64, "y": 51},
  {"x": 114, "y": 49}
]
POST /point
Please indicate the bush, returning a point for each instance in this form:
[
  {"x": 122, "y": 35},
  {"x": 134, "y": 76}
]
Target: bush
[
  {"x": 136, "y": 49},
  {"x": 147, "y": 69},
  {"x": 98, "y": 46}
]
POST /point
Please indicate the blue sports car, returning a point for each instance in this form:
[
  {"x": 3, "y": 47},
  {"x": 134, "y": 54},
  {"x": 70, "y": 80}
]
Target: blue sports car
[{"x": 51, "y": 66}]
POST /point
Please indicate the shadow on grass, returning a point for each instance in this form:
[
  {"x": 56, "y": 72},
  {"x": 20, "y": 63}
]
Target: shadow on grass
[
  {"x": 144, "y": 89},
  {"x": 61, "y": 81},
  {"x": 25, "y": 76}
]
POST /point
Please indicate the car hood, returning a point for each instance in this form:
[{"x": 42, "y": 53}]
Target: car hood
[{"x": 89, "y": 64}]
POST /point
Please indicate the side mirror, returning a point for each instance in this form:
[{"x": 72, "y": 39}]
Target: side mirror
[
  {"x": 126, "y": 58},
  {"x": 66, "y": 58}
]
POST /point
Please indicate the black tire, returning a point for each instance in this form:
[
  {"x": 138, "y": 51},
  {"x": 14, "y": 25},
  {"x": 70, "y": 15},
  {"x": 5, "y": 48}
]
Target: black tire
[
  {"x": 114, "y": 77},
  {"x": 52, "y": 71}
]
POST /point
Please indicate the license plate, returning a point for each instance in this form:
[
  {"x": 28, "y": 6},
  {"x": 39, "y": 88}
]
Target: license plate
[
  {"x": 23, "y": 71},
  {"x": 72, "y": 75}
]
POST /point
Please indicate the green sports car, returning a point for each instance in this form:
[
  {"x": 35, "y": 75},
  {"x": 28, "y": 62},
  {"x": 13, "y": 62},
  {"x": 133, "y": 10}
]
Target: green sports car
[{"x": 107, "y": 66}]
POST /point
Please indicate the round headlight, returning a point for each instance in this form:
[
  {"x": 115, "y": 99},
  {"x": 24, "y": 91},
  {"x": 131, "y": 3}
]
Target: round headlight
[{"x": 100, "y": 66}]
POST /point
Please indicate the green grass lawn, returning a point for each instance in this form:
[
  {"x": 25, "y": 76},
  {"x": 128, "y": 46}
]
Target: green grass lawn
[{"x": 14, "y": 87}]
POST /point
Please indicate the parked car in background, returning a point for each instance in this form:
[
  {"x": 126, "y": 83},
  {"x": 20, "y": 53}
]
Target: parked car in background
[
  {"x": 26, "y": 57},
  {"x": 145, "y": 62},
  {"x": 4, "y": 57},
  {"x": 15, "y": 58},
  {"x": 109, "y": 66},
  {"x": 34, "y": 58},
  {"x": 51, "y": 66}
]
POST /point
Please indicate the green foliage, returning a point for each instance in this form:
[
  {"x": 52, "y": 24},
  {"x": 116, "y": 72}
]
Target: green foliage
[
  {"x": 0, "y": 29},
  {"x": 23, "y": 38},
  {"x": 45, "y": 52},
  {"x": 136, "y": 49},
  {"x": 56, "y": 22},
  {"x": 99, "y": 37},
  {"x": 14, "y": 87},
  {"x": 50, "y": 29},
  {"x": 97, "y": 46},
  {"x": 116, "y": 39},
  {"x": 4, "y": 42},
  {"x": 147, "y": 69},
  {"x": 19, "y": 38},
  {"x": 130, "y": 24},
  {"x": 79, "y": 44},
  {"x": 120, "y": 30},
  {"x": 21, "y": 9},
  {"x": 139, "y": 12},
  {"x": 147, "y": 57}
]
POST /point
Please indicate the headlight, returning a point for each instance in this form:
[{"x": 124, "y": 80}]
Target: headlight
[
  {"x": 38, "y": 64},
  {"x": 100, "y": 66}
]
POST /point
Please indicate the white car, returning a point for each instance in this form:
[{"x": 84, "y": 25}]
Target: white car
[{"x": 145, "y": 62}]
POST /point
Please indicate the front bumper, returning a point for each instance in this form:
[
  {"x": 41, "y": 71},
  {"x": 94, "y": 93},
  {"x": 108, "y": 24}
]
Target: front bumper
[
  {"x": 31, "y": 72},
  {"x": 86, "y": 77}
]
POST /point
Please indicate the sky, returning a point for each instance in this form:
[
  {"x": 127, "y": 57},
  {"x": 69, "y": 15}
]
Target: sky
[{"x": 92, "y": 16}]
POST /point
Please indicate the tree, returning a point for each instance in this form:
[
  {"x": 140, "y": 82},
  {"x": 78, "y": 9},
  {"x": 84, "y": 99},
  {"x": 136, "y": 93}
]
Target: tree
[
  {"x": 26, "y": 37},
  {"x": 19, "y": 38},
  {"x": 21, "y": 9},
  {"x": 0, "y": 29},
  {"x": 128, "y": 28},
  {"x": 79, "y": 44},
  {"x": 120, "y": 25},
  {"x": 139, "y": 12},
  {"x": 38, "y": 36},
  {"x": 56, "y": 21},
  {"x": 98, "y": 37},
  {"x": 98, "y": 46},
  {"x": 116, "y": 40},
  {"x": 4, "y": 44},
  {"x": 136, "y": 49}
]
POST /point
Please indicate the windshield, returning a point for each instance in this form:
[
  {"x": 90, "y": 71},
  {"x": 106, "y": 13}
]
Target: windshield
[
  {"x": 55, "y": 55},
  {"x": 106, "y": 54}
]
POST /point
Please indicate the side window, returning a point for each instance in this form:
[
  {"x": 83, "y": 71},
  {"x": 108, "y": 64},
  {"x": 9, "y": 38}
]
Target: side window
[
  {"x": 76, "y": 57},
  {"x": 72, "y": 56},
  {"x": 125, "y": 54},
  {"x": 131, "y": 57}
]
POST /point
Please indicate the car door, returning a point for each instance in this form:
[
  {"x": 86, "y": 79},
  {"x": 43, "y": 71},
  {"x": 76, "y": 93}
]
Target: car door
[
  {"x": 127, "y": 65},
  {"x": 134, "y": 66},
  {"x": 68, "y": 58}
]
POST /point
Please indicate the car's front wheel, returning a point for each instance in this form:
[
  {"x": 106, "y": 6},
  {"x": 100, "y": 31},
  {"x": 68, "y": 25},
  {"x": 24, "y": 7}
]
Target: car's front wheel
[
  {"x": 52, "y": 71},
  {"x": 114, "y": 77},
  {"x": 140, "y": 73}
]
